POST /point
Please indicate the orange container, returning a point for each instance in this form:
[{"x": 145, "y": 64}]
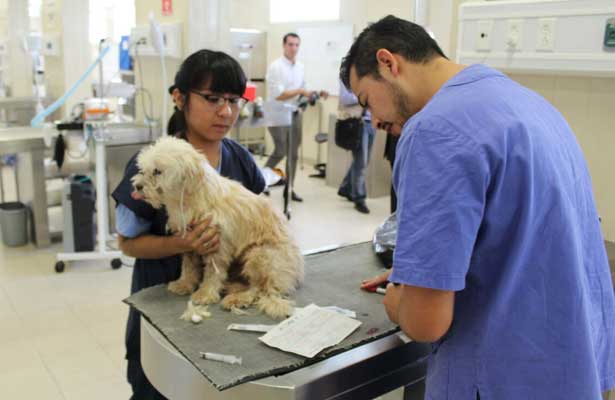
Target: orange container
[{"x": 250, "y": 92}]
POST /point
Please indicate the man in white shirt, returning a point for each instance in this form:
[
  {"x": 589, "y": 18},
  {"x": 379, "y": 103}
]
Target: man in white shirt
[{"x": 286, "y": 83}]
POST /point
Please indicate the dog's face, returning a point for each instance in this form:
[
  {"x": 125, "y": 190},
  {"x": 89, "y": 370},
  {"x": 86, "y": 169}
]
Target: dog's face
[{"x": 167, "y": 168}]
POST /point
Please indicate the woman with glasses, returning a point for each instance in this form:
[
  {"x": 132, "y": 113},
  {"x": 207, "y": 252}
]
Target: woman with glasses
[{"x": 207, "y": 93}]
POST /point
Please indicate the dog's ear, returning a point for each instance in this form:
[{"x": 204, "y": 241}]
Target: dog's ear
[
  {"x": 179, "y": 165},
  {"x": 192, "y": 166}
]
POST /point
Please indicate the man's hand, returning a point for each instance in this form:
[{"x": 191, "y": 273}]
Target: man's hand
[
  {"x": 202, "y": 238},
  {"x": 376, "y": 281},
  {"x": 324, "y": 94},
  {"x": 391, "y": 302}
]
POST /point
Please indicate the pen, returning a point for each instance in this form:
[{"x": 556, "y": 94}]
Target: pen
[{"x": 376, "y": 289}]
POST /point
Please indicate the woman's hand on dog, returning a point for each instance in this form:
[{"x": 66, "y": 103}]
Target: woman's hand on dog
[{"x": 202, "y": 237}]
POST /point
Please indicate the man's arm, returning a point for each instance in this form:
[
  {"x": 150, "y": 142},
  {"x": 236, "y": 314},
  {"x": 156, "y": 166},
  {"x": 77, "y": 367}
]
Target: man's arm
[
  {"x": 289, "y": 94},
  {"x": 442, "y": 189},
  {"x": 423, "y": 314},
  {"x": 275, "y": 86}
]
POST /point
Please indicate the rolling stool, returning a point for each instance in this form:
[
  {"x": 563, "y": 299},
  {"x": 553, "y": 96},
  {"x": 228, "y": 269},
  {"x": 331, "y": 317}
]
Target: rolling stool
[{"x": 320, "y": 167}]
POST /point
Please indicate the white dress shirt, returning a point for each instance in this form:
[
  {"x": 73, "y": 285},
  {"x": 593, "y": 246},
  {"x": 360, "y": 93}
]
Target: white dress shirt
[{"x": 283, "y": 75}]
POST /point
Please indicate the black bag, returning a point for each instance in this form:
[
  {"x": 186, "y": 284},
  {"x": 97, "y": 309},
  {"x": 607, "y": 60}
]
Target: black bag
[{"x": 348, "y": 133}]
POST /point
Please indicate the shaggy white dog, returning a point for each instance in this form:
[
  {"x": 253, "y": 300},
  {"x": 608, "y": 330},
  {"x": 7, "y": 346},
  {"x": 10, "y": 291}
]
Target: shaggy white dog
[{"x": 253, "y": 236}]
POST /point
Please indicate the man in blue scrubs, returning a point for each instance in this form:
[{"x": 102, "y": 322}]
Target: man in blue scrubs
[{"x": 499, "y": 261}]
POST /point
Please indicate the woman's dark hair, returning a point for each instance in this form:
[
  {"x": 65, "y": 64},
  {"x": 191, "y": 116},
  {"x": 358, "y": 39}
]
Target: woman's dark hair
[
  {"x": 397, "y": 36},
  {"x": 215, "y": 70}
]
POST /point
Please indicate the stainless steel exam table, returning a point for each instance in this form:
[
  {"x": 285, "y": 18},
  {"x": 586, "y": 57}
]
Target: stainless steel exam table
[{"x": 365, "y": 372}]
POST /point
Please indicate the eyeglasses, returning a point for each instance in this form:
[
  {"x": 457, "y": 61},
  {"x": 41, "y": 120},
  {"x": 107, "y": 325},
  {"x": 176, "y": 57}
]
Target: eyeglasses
[{"x": 217, "y": 101}]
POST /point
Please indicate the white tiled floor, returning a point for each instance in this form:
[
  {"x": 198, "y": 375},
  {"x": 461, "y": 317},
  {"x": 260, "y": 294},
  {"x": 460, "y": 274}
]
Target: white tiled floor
[{"x": 61, "y": 335}]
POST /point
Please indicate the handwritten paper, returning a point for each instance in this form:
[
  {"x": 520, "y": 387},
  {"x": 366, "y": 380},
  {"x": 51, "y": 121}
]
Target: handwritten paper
[{"x": 310, "y": 330}]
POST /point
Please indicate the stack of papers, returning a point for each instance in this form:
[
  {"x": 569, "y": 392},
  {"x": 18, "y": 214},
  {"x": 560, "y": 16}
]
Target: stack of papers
[{"x": 310, "y": 330}]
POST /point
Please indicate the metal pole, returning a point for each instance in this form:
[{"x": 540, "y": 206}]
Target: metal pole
[
  {"x": 2, "y": 181},
  {"x": 288, "y": 187},
  {"x": 14, "y": 168},
  {"x": 100, "y": 72},
  {"x": 102, "y": 211}
]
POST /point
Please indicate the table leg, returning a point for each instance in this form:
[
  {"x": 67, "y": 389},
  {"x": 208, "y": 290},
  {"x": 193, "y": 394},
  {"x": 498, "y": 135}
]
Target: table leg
[{"x": 30, "y": 178}]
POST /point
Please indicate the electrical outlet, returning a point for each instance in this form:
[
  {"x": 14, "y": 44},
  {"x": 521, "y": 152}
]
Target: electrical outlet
[
  {"x": 545, "y": 40},
  {"x": 483, "y": 40},
  {"x": 514, "y": 35},
  {"x": 50, "y": 45}
]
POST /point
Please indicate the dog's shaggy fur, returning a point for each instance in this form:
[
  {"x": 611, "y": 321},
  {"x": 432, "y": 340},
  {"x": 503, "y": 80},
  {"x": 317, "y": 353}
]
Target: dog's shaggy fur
[{"x": 252, "y": 234}]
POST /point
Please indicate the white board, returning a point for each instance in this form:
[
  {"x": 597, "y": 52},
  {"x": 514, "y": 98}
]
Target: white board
[{"x": 322, "y": 49}]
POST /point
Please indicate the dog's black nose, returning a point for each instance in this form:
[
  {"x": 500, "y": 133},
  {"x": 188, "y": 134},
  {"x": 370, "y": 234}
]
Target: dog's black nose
[{"x": 139, "y": 187}]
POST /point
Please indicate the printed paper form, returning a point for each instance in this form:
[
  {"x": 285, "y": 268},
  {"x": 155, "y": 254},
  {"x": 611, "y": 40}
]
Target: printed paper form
[{"x": 310, "y": 330}]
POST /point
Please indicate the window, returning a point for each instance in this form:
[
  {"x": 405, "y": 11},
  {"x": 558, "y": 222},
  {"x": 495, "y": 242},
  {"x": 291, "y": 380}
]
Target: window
[
  {"x": 109, "y": 19},
  {"x": 34, "y": 12},
  {"x": 303, "y": 10}
]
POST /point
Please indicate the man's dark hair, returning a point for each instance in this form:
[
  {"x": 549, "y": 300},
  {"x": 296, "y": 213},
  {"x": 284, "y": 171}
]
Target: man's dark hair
[
  {"x": 290, "y": 34},
  {"x": 393, "y": 34}
]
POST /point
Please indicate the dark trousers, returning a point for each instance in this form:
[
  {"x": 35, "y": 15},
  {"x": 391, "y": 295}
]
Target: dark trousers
[
  {"x": 142, "y": 389},
  {"x": 353, "y": 184}
]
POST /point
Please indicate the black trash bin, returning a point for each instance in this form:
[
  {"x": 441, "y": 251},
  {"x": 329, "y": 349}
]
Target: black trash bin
[
  {"x": 78, "y": 204},
  {"x": 14, "y": 223}
]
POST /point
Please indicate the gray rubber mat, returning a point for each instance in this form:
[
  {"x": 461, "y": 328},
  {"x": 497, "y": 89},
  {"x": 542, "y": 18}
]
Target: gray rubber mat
[{"x": 332, "y": 279}]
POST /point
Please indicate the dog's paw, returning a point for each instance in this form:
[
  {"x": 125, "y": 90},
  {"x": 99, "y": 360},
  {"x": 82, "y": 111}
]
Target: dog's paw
[
  {"x": 275, "y": 306},
  {"x": 180, "y": 287},
  {"x": 205, "y": 296},
  {"x": 237, "y": 300}
]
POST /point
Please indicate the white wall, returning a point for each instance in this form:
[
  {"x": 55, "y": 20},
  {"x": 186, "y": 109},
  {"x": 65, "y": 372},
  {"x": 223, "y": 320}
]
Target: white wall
[
  {"x": 19, "y": 60},
  {"x": 440, "y": 17},
  {"x": 76, "y": 49},
  {"x": 68, "y": 20}
]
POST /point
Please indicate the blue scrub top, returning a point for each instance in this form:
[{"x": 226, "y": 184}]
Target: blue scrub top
[{"x": 495, "y": 203}]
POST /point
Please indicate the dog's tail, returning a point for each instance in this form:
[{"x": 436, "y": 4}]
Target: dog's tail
[{"x": 275, "y": 305}]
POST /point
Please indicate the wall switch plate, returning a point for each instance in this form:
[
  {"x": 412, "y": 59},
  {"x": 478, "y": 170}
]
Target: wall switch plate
[
  {"x": 171, "y": 37},
  {"x": 545, "y": 40},
  {"x": 50, "y": 45},
  {"x": 514, "y": 34},
  {"x": 483, "y": 40},
  {"x": 609, "y": 33}
]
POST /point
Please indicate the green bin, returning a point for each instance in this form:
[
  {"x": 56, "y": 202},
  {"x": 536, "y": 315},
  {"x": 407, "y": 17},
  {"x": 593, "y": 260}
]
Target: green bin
[{"x": 14, "y": 223}]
